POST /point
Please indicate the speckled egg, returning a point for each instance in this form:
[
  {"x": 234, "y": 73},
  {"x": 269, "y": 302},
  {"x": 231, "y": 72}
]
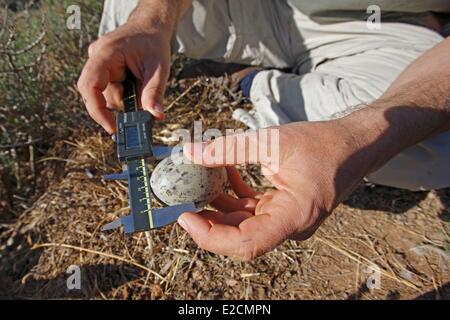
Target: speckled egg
[{"x": 176, "y": 180}]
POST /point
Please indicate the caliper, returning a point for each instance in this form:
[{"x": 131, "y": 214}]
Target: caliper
[{"x": 135, "y": 150}]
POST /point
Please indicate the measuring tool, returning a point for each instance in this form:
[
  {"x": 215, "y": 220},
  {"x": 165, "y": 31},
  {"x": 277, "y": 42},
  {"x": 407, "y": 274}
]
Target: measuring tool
[{"x": 135, "y": 150}]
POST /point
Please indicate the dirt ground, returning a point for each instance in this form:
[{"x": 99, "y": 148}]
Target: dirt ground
[{"x": 403, "y": 235}]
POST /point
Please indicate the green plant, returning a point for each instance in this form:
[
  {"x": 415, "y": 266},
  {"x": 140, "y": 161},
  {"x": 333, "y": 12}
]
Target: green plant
[{"x": 40, "y": 61}]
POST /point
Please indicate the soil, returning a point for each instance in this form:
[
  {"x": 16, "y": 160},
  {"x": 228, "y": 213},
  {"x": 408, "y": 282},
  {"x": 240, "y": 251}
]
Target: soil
[{"x": 403, "y": 235}]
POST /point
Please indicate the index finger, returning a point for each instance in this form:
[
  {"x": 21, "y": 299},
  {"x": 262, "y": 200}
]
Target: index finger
[
  {"x": 93, "y": 81},
  {"x": 250, "y": 147}
]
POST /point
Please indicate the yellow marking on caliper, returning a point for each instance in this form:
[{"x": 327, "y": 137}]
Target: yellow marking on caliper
[
  {"x": 147, "y": 195},
  {"x": 134, "y": 96},
  {"x": 144, "y": 167}
]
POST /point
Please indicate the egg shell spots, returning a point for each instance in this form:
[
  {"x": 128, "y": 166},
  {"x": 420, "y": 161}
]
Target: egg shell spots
[{"x": 176, "y": 180}]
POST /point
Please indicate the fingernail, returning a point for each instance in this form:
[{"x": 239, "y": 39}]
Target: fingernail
[
  {"x": 159, "y": 108},
  {"x": 183, "y": 224}
]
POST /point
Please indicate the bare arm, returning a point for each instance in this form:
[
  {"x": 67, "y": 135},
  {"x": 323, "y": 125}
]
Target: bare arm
[
  {"x": 143, "y": 46},
  {"x": 414, "y": 108},
  {"x": 323, "y": 164},
  {"x": 160, "y": 16}
]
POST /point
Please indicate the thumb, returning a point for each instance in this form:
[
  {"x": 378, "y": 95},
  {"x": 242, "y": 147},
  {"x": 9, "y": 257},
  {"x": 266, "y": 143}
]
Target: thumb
[
  {"x": 243, "y": 148},
  {"x": 153, "y": 87}
]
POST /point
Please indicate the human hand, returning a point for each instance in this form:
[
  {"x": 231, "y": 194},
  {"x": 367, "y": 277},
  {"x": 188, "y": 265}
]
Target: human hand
[
  {"x": 146, "y": 52},
  {"x": 320, "y": 163}
]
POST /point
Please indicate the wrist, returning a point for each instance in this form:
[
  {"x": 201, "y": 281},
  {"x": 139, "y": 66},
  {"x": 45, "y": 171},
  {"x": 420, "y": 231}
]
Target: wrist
[
  {"x": 158, "y": 17},
  {"x": 390, "y": 125},
  {"x": 151, "y": 27},
  {"x": 370, "y": 138}
]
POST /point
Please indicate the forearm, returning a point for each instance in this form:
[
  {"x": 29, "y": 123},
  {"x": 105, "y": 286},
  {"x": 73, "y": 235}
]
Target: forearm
[
  {"x": 426, "y": 82},
  {"x": 160, "y": 15},
  {"x": 414, "y": 108}
]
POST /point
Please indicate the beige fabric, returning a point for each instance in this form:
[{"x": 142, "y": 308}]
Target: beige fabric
[
  {"x": 317, "y": 6},
  {"x": 334, "y": 67},
  {"x": 115, "y": 13},
  {"x": 332, "y": 11}
]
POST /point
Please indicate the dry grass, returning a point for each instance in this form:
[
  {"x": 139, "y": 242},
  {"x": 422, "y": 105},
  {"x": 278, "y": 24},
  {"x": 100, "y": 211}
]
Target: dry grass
[
  {"x": 406, "y": 235},
  {"x": 40, "y": 61},
  {"x": 62, "y": 228}
]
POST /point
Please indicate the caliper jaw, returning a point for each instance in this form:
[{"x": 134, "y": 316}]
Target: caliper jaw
[{"x": 161, "y": 218}]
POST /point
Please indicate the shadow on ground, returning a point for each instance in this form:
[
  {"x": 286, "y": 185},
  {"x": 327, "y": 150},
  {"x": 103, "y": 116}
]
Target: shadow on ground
[
  {"x": 95, "y": 280},
  {"x": 441, "y": 293},
  {"x": 18, "y": 278},
  {"x": 393, "y": 200}
]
